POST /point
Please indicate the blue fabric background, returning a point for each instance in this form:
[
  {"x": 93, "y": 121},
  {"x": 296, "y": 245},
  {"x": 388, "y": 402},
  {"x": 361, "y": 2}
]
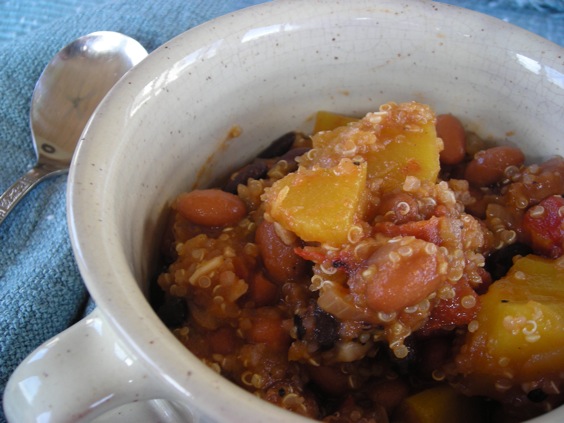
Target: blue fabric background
[{"x": 41, "y": 292}]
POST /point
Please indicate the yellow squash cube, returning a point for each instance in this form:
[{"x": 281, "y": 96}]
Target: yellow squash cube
[
  {"x": 440, "y": 404},
  {"x": 520, "y": 334},
  {"x": 319, "y": 204},
  {"x": 410, "y": 147},
  {"x": 327, "y": 121},
  {"x": 398, "y": 141}
]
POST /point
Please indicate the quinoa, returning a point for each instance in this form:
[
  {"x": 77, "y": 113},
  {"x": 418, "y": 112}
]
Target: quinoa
[{"x": 315, "y": 326}]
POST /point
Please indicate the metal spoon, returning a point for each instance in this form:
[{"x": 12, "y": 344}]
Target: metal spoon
[{"x": 65, "y": 96}]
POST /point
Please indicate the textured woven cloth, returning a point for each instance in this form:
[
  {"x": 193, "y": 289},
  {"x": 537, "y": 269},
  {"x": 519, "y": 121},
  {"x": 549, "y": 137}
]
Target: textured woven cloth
[
  {"x": 544, "y": 17},
  {"x": 41, "y": 292}
]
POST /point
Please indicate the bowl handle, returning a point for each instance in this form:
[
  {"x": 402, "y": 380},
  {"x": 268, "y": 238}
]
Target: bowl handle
[{"x": 77, "y": 376}]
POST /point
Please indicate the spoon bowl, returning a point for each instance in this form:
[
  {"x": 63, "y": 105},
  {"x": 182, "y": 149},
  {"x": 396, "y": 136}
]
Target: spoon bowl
[{"x": 68, "y": 91}]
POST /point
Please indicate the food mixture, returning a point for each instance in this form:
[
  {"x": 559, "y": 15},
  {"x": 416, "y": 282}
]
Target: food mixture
[{"x": 394, "y": 268}]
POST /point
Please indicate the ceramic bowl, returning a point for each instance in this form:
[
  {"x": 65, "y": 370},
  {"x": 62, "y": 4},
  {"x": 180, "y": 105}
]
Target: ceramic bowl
[{"x": 166, "y": 128}]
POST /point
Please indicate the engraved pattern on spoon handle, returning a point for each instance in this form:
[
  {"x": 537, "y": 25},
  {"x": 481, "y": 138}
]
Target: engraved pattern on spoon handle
[{"x": 22, "y": 186}]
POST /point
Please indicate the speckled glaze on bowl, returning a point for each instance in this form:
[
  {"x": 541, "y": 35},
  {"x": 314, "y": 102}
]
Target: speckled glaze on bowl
[{"x": 165, "y": 128}]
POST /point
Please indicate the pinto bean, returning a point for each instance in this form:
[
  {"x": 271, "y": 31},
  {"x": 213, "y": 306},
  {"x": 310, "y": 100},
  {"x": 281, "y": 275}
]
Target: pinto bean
[
  {"x": 211, "y": 207},
  {"x": 280, "y": 259},
  {"x": 262, "y": 291},
  {"x": 399, "y": 207},
  {"x": 488, "y": 166},
  {"x": 450, "y": 130},
  {"x": 539, "y": 185},
  {"x": 399, "y": 275}
]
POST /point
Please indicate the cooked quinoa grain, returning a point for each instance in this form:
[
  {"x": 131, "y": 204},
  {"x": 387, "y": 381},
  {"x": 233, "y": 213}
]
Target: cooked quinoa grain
[{"x": 347, "y": 276}]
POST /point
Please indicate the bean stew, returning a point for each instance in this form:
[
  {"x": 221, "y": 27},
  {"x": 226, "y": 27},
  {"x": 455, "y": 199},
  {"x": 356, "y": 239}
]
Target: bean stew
[{"x": 393, "y": 268}]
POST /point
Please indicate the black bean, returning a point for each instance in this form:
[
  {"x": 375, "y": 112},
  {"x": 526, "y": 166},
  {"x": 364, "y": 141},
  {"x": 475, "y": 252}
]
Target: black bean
[
  {"x": 254, "y": 170},
  {"x": 537, "y": 395},
  {"x": 326, "y": 329},
  {"x": 173, "y": 311},
  {"x": 299, "y": 324},
  {"x": 316, "y": 326},
  {"x": 291, "y": 155},
  {"x": 279, "y": 146},
  {"x": 499, "y": 262},
  {"x": 405, "y": 366}
]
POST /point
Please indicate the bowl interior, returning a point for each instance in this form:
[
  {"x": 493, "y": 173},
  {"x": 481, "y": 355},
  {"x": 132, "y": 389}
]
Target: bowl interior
[{"x": 212, "y": 98}]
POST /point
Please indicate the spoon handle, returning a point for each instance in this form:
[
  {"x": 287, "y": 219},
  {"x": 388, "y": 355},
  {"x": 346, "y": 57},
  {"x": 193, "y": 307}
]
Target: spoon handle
[{"x": 22, "y": 186}]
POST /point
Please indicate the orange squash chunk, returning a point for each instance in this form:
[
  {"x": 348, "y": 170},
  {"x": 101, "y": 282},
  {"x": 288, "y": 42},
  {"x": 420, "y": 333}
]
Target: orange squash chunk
[
  {"x": 398, "y": 141},
  {"x": 520, "y": 333},
  {"x": 319, "y": 204},
  {"x": 327, "y": 121},
  {"x": 410, "y": 146},
  {"x": 322, "y": 200},
  {"x": 440, "y": 404}
]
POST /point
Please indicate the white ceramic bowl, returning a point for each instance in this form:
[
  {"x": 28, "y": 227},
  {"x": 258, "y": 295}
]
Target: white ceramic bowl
[{"x": 165, "y": 128}]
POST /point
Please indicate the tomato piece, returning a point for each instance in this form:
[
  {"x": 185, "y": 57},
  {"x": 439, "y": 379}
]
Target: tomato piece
[
  {"x": 427, "y": 230},
  {"x": 314, "y": 254},
  {"x": 459, "y": 310},
  {"x": 543, "y": 224}
]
